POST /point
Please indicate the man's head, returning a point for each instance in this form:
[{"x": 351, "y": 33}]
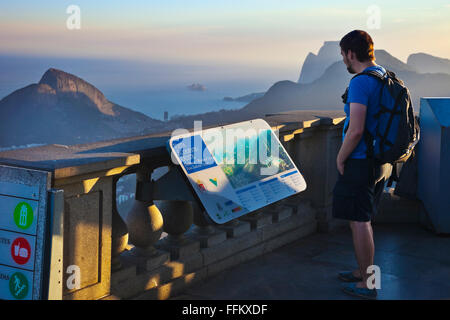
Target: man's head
[{"x": 356, "y": 48}]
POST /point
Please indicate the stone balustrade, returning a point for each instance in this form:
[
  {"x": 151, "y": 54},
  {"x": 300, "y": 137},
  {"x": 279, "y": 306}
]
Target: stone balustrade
[{"x": 165, "y": 244}]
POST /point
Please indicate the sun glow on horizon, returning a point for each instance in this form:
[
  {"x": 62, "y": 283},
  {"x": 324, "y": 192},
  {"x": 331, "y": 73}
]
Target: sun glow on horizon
[{"x": 266, "y": 33}]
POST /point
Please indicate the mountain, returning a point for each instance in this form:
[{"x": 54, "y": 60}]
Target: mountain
[
  {"x": 390, "y": 62},
  {"x": 247, "y": 98},
  {"x": 65, "y": 109},
  {"x": 315, "y": 65},
  {"x": 326, "y": 91},
  {"x": 426, "y": 63}
]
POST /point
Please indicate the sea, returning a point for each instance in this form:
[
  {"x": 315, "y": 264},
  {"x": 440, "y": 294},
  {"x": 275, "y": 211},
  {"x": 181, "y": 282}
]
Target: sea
[{"x": 176, "y": 100}]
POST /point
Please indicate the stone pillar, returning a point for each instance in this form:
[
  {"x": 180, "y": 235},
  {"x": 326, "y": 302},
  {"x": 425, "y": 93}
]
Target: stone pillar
[
  {"x": 178, "y": 217},
  {"x": 145, "y": 222},
  {"x": 119, "y": 232},
  {"x": 202, "y": 225},
  {"x": 204, "y": 231}
]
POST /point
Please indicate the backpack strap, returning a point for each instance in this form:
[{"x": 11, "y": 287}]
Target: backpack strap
[
  {"x": 377, "y": 75},
  {"x": 368, "y": 139},
  {"x": 372, "y": 73}
]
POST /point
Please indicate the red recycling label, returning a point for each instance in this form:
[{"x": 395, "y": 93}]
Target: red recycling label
[{"x": 20, "y": 251}]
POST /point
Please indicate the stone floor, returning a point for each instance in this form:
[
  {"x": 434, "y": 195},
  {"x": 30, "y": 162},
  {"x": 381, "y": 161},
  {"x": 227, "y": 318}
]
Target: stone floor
[{"x": 414, "y": 263}]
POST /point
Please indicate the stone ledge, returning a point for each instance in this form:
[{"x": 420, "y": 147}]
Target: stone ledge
[
  {"x": 172, "y": 277},
  {"x": 237, "y": 229},
  {"x": 165, "y": 273},
  {"x": 208, "y": 240},
  {"x": 280, "y": 214},
  {"x": 230, "y": 247},
  {"x": 285, "y": 226},
  {"x": 180, "y": 250},
  {"x": 258, "y": 219},
  {"x": 173, "y": 288}
]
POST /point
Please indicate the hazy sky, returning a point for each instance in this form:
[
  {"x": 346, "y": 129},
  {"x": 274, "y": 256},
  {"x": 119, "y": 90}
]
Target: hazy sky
[{"x": 271, "y": 34}]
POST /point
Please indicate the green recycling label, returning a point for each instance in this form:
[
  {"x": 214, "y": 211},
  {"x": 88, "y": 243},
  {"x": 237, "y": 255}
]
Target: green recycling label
[
  {"x": 18, "y": 285},
  {"x": 23, "y": 215}
]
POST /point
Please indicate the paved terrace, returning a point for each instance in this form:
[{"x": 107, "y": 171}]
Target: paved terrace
[
  {"x": 414, "y": 263},
  {"x": 289, "y": 250}
]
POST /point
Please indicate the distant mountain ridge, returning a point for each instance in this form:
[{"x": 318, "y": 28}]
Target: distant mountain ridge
[
  {"x": 315, "y": 65},
  {"x": 325, "y": 92},
  {"x": 247, "y": 98},
  {"x": 63, "y": 108},
  {"x": 426, "y": 63}
]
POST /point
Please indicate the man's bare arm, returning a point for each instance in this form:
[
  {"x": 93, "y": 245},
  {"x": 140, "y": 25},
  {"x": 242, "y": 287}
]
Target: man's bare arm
[{"x": 354, "y": 133}]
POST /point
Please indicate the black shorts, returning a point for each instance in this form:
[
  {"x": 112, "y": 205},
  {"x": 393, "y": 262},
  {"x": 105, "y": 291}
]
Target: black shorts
[{"x": 354, "y": 192}]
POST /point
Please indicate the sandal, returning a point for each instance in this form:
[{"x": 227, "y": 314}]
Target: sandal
[{"x": 365, "y": 293}]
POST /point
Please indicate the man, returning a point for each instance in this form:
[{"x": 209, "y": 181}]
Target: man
[{"x": 357, "y": 191}]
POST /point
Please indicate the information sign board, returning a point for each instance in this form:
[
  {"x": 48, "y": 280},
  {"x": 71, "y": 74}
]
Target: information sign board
[{"x": 236, "y": 169}]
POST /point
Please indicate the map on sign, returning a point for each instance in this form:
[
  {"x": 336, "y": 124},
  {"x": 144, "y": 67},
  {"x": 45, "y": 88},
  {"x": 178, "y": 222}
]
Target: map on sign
[{"x": 236, "y": 169}]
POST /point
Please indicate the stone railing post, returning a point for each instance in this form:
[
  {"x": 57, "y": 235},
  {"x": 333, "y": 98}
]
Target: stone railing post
[
  {"x": 178, "y": 217},
  {"x": 202, "y": 225},
  {"x": 204, "y": 232},
  {"x": 144, "y": 221}
]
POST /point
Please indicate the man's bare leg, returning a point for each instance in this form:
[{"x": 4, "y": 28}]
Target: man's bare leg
[{"x": 362, "y": 234}]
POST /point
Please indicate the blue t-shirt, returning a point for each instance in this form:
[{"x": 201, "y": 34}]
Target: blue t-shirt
[{"x": 365, "y": 90}]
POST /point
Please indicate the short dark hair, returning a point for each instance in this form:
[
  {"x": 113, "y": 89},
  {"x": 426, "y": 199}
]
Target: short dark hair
[{"x": 360, "y": 43}]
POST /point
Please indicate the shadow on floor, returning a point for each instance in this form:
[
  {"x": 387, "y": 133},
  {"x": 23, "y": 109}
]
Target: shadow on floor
[{"x": 414, "y": 263}]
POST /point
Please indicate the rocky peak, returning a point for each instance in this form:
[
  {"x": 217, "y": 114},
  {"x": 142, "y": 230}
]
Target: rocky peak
[
  {"x": 315, "y": 65},
  {"x": 66, "y": 83},
  {"x": 330, "y": 50}
]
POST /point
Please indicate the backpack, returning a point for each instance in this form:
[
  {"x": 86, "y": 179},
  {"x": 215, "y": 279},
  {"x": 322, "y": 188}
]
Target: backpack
[
  {"x": 397, "y": 131},
  {"x": 407, "y": 182}
]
